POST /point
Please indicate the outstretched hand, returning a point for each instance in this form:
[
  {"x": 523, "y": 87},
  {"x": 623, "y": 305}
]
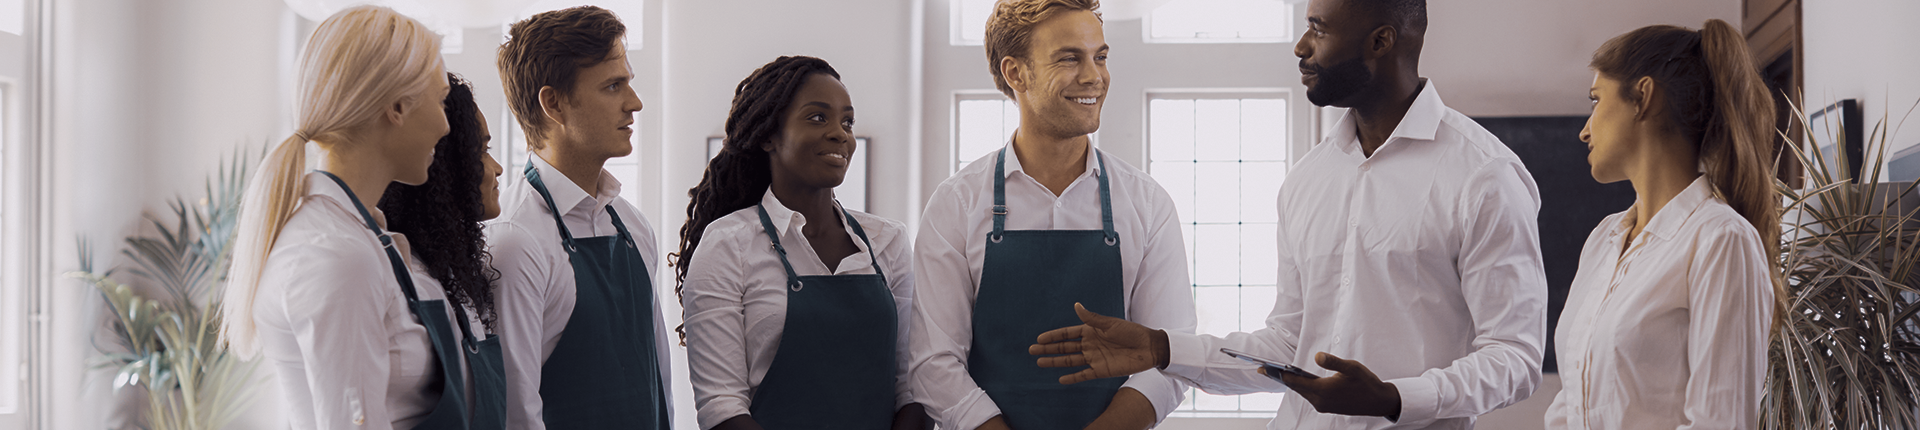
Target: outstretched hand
[
  {"x": 1108, "y": 346},
  {"x": 1352, "y": 391}
]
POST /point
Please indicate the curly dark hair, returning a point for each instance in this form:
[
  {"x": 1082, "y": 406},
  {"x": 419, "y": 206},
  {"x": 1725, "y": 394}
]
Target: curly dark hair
[
  {"x": 740, "y": 174},
  {"x": 442, "y": 216}
]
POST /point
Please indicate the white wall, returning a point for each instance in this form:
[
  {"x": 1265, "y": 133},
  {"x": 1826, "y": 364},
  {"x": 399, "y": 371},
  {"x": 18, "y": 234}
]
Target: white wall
[
  {"x": 1529, "y": 57},
  {"x": 1864, "y": 49}
]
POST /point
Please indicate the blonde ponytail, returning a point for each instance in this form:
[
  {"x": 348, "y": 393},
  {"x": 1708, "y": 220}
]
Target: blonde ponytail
[{"x": 358, "y": 61}]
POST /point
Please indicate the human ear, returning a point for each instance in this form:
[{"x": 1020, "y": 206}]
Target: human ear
[
  {"x": 552, "y": 106},
  {"x": 1013, "y": 71},
  {"x": 1382, "y": 41},
  {"x": 1648, "y": 89}
]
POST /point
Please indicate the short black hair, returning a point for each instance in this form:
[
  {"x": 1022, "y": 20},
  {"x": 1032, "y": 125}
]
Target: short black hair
[{"x": 1407, "y": 15}]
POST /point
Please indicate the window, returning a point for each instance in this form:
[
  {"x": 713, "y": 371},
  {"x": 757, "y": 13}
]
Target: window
[
  {"x": 852, "y": 192},
  {"x": 1220, "y": 21},
  {"x": 969, "y": 22},
  {"x": 1222, "y": 158},
  {"x": 982, "y": 124}
]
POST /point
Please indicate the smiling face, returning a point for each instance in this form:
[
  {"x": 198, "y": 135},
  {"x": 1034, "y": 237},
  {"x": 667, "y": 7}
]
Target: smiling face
[
  {"x": 1610, "y": 134},
  {"x": 816, "y": 136},
  {"x": 1062, "y": 83},
  {"x": 423, "y": 121},
  {"x": 1332, "y": 62},
  {"x": 598, "y": 118}
]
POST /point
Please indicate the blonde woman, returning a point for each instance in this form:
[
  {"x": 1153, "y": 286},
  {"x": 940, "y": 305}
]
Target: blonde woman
[
  {"x": 361, "y": 336},
  {"x": 1667, "y": 320}
]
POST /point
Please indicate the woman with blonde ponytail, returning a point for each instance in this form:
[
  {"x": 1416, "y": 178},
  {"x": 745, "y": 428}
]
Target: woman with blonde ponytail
[
  {"x": 360, "y": 336},
  {"x": 1667, "y": 321}
]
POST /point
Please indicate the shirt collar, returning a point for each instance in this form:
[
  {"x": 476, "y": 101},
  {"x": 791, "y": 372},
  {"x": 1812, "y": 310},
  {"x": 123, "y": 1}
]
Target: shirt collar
[
  {"x": 1666, "y": 223},
  {"x": 319, "y": 184},
  {"x": 567, "y": 194},
  {"x": 1013, "y": 161},
  {"x": 783, "y": 218},
  {"x": 1422, "y": 121}
]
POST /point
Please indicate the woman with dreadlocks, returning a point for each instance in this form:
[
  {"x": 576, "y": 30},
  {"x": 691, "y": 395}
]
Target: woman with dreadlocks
[
  {"x": 442, "y": 216},
  {"x": 795, "y": 307}
]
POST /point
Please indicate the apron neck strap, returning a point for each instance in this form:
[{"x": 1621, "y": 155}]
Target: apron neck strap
[
  {"x": 793, "y": 278},
  {"x": 566, "y": 236},
  {"x": 386, "y": 241},
  {"x": 1000, "y": 196}
]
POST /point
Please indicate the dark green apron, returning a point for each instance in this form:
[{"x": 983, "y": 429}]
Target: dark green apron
[
  {"x": 835, "y": 366},
  {"x": 1028, "y": 285},
  {"x": 489, "y": 376},
  {"x": 604, "y": 373}
]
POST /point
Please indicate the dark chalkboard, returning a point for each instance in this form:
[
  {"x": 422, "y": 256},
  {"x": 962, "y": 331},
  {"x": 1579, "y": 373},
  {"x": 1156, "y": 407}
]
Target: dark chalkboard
[{"x": 1571, "y": 203}]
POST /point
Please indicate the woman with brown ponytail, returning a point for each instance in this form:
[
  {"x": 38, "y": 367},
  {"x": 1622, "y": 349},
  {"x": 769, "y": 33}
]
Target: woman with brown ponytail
[
  {"x": 796, "y": 308},
  {"x": 1667, "y": 321}
]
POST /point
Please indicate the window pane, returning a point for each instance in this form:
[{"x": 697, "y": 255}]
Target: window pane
[
  {"x": 1219, "y": 309},
  {"x": 1260, "y": 189},
  {"x": 983, "y": 126},
  {"x": 1171, "y": 126},
  {"x": 1263, "y": 129},
  {"x": 1258, "y": 256},
  {"x": 971, "y": 25},
  {"x": 1221, "y": 21},
  {"x": 1216, "y": 192},
  {"x": 1216, "y": 254},
  {"x": 1216, "y": 130}
]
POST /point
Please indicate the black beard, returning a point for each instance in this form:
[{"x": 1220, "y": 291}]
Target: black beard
[{"x": 1338, "y": 82}]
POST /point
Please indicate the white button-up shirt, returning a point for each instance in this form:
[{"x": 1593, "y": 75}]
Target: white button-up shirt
[
  {"x": 1421, "y": 262},
  {"x": 736, "y": 299},
  {"x": 536, "y": 291},
  {"x": 1672, "y": 334},
  {"x": 951, "y": 247},
  {"x": 333, "y": 321}
]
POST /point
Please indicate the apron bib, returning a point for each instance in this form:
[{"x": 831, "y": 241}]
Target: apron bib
[
  {"x": 1028, "y": 285},
  {"x": 604, "y": 373},
  {"x": 489, "y": 390},
  {"x": 835, "y": 365}
]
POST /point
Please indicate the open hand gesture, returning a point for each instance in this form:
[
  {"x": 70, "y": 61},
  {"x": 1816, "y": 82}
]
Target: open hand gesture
[{"x": 1108, "y": 346}]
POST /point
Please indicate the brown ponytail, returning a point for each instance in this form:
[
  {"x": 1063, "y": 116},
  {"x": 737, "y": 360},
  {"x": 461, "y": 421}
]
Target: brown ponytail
[{"x": 1714, "y": 97}]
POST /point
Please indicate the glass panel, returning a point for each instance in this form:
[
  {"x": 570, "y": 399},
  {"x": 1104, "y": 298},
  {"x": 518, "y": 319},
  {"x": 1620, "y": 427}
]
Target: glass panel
[
  {"x": 1260, "y": 190},
  {"x": 1263, "y": 129},
  {"x": 983, "y": 126},
  {"x": 1171, "y": 126},
  {"x": 1258, "y": 254},
  {"x": 971, "y": 23},
  {"x": 1216, "y": 192},
  {"x": 1221, "y": 21},
  {"x": 1216, "y": 254},
  {"x": 1219, "y": 309},
  {"x": 1216, "y": 130},
  {"x": 1177, "y": 178}
]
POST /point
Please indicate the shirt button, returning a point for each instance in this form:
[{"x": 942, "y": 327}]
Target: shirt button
[
  {"x": 1353, "y": 222},
  {"x": 1346, "y": 280}
]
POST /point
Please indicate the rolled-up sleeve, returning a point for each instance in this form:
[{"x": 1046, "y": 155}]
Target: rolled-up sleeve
[
  {"x": 942, "y": 317},
  {"x": 1504, "y": 286}
]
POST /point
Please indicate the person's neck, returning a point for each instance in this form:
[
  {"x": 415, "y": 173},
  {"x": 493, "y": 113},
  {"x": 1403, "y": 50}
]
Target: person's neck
[
  {"x": 1660, "y": 178},
  {"x": 584, "y": 171},
  {"x": 1375, "y": 119},
  {"x": 816, "y": 204},
  {"x": 1053, "y": 161},
  {"x": 367, "y": 180}
]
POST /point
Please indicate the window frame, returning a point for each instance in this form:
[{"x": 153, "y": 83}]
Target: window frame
[
  {"x": 1189, "y": 408},
  {"x": 1288, "y": 34}
]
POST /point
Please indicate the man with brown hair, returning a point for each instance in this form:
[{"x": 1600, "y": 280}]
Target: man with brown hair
[
  {"x": 1009, "y": 244},
  {"x": 584, "y": 341}
]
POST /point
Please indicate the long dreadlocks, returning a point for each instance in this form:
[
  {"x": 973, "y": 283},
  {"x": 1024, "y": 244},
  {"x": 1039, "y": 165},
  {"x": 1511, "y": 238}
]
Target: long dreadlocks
[{"x": 739, "y": 175}]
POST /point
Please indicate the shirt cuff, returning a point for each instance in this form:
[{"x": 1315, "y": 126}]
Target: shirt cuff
[
  {"x": 1161, "y": 391},
  {"x": 719, "y": 409},
  {"x": 1186, "y": 355},
  {"x": 1419, "y": 401},
  {"x": 973, "y": 411}
]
